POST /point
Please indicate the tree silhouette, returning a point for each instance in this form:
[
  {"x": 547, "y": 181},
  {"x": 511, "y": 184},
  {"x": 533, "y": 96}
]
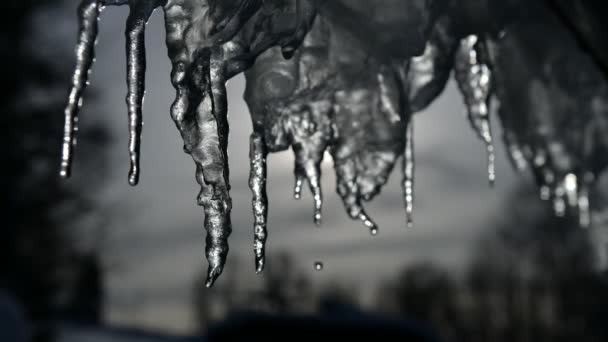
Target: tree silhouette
[
  {"x": 37, "y": 256},
  {"x": 531, "y": 279}
]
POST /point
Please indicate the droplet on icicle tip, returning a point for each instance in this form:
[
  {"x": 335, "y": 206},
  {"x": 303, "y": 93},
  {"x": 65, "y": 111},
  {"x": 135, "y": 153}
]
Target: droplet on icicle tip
[{"x": 318, "y": 218}]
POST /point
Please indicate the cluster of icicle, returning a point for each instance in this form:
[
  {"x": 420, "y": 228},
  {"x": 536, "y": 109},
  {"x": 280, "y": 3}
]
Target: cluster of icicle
[{"x": 306, "y": 91}]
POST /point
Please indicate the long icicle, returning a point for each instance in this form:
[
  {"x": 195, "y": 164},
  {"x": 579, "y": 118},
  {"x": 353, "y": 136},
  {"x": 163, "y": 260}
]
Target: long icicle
[
  {"x": 88, "y": 15},
  {"x": 199, "y": 112},
  {"x": 216, "y": 175},
  {"x": 140, "y": 12},
  {"x": 408, "y": 174},
  {"x": 257, "y": 184},
  {"x": 474, "y": 79}
]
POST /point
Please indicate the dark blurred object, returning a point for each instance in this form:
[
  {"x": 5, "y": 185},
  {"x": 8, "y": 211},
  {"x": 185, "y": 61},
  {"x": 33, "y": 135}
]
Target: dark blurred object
[
  {"x": 37, "y": 256},
  {"x": 347, "y": 326},
  {"x": 530, "y": 280},
  {"x": 426, "y": 293},
  {"x": 554, "y": 109},
  {"x": 13, "y": 324},
  {"x": 285, "y": 289},
  {"x": 587, "y": 19},
  {"x": 87, "y": 295}
]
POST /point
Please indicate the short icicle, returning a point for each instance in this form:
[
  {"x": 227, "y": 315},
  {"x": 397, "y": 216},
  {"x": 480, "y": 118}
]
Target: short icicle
[
  {"x": 257, "y": 183},
  {"x": 408, "y": 175}
]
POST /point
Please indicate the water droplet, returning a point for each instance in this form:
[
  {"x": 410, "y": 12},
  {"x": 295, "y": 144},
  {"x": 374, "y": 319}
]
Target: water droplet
[{"x": 318, "y": 266}]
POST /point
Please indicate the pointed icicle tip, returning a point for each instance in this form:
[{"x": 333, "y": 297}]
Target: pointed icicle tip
[
  {"x": 297, "y": 188},
  {"x": 318, "y": 218},
  {"x": 257, "y": 183},
  {"x": 318, "y": 201},
  {"x": 371, "y": 225},
  {"x": 88, "y": 15},
  {"x": 136, "y": 79},
  {"x": 584, "y": 213},
  {"x": 491, "y": 164},
  {"x": 212, "y": 274},
  {"x": 259, "y": 267},
  {"x": 133, "y": 177}
]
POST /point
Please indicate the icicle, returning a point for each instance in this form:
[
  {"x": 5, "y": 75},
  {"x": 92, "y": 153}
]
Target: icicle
[
  {"x": 88, "y": 15},
  {"x": 571, "y": 188},
  {"x": 408, "y": 174},
  {"x": 475, "y": 82},
  {"x": 347, "y": 189},
  {"x": 545, "y": 192},
  {"x": 216, "y": 174},
  {"x": 140, "y": 12},
  {"x": 204, "y": 129},
  {"x": 584, "y": 213},
  {"x": 297, "y": 188},
  {"x": 257, "y": 184},
  {"x": 308, "y": 161},
  {"x": 491, "y": 163},
  {"x": 308, "y": 127},
  {"x": 559, "y": 201},
  {"x": 514, "y": 152},
  {"x": 544, "y": 176}
]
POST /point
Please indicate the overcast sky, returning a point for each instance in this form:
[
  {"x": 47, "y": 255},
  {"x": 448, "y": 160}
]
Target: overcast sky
[{"x": 154, "y": 247}]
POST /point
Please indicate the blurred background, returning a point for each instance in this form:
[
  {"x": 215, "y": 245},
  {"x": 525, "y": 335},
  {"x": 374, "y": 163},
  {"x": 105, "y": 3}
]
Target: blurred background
[{"x": 93, "y": 259}]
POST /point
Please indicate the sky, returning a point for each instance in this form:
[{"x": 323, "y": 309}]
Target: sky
[{"x": 153, "y": 240}]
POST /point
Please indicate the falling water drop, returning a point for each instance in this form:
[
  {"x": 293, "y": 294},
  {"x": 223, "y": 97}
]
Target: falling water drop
[{"x": 318, "y": 266}]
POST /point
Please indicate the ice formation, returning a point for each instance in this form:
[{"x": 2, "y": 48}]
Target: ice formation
[{"x": 347, "y": 77}]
